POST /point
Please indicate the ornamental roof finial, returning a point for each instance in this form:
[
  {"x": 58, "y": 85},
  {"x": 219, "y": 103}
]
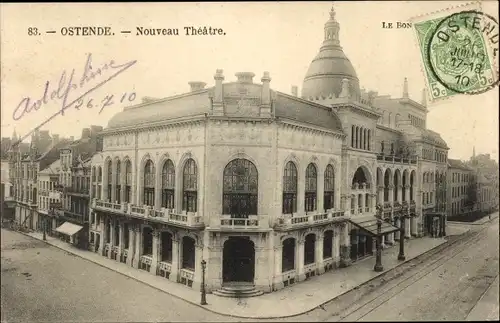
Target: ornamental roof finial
[{"x": 332, "y": 12}]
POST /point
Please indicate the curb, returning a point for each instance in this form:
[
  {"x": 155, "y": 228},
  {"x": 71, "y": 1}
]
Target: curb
[
  {"x": 446, "y": 244},
  {"x": 481, "y": 297}
]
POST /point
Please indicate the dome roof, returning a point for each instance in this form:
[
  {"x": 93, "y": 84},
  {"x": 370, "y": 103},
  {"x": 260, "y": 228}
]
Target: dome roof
[{"x": 329, "y": 67}]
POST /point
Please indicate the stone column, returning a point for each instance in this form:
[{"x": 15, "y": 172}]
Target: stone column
[
  {"x": 363, "y": 201},
  {"x": 413, "y": 228},
  {"x": 111, "y": 237},
  {"x": 397, "y": 234},
  {"x": 137, "y": 247},
  {"x": 174, "y": 275},
  {"x": 399, "y": 192},
  {"x": 102, "y": 240},
  {"x": 120, "y": 241},
  {"x": 407, "y": 228},
  {"x": 354, "y": 197},
  {"x": 404, "y": 193},
  {"x": 318, "y": 254},
  {"x": 345, "y": 245},
  {"x": 278, "y": 270},
  {"x": 301, "y": 192},
  {"x": 131, "y": 244},
  {"x": 154, "y": 256},
  {"x": 321, "y": 192},
  {"x": 380, "y": 194},
  {"x": 300, "y": 260},
  {"x": 383, "y": 242},
  {"x": 113, "y": 183}
]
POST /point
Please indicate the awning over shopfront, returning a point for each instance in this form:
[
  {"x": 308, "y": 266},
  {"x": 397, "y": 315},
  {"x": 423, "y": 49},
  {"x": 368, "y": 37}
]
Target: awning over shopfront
[
  {"x": 69, "y": 228},
  {"x": 369, "y": 225}
]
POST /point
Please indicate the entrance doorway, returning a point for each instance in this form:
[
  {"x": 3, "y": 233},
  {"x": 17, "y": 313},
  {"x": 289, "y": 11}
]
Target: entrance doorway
[
  {"x": 238, "y": 260},
  {"x": 361, "y": 245}
]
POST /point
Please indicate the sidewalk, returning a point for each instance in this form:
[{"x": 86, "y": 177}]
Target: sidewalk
[
  {"x": 484, "y": 220},
  {"x": 291, "y": 301}
]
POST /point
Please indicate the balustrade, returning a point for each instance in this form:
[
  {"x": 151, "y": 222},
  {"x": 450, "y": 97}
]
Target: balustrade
[
  {"x": 163, "y": 215},
  {"x": 308, "y": 219}
]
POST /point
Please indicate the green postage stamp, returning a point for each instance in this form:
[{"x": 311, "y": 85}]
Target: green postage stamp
[{"x": 458, "y": 50}]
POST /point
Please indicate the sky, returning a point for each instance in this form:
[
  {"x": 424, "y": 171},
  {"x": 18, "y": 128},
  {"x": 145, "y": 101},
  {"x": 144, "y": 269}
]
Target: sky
[{"x": 279, "y": 37}]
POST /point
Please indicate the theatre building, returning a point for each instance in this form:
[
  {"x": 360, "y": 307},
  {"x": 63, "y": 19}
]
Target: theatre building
[{"x": 268, "y": 188}]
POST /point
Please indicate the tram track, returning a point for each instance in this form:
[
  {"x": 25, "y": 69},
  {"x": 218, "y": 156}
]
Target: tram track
[{"x": 390, "y": 285}]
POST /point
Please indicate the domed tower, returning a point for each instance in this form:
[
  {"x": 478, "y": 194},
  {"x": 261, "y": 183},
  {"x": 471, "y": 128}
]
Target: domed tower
[{"x": 328, "y": 69}]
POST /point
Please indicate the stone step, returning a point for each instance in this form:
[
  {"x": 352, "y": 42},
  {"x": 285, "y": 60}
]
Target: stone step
[{"x": 237, "y": 291}]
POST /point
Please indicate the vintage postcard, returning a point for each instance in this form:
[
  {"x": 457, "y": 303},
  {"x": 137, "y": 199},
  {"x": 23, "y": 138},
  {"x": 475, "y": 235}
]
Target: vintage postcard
[{"x": 249, "y": 161}]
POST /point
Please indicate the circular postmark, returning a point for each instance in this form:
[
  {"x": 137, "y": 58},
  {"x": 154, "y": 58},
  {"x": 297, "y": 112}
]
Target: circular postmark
[{"x": 460, "y": 53}]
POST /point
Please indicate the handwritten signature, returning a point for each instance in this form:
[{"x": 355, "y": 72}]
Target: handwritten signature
[{"x": 67, "y": 85}]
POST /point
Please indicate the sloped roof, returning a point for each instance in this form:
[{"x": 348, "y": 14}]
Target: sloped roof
[
  {"x": 52, "y": 154},
  {"x": 290, "y": 107},
  {"x": 53, "y": 168},
  {"x": 199, "y": 102},
  {"x": 456, "y": 163}
]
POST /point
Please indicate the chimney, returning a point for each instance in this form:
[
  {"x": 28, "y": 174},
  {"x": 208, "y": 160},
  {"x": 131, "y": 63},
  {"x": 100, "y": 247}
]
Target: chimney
[
  {"x": 245, "y": 77},
  {"x": 405, "y": 88},
  {"x": 94, "y": 130},
  {"x": 217, "y": 104},
  {"x": 196, "y": 86},
  {"x": 265, "y": 104},
  {"x": 85, "y": 133},
  {"x": 295, "y": 90},
  {"x": 424, "y": 97}
]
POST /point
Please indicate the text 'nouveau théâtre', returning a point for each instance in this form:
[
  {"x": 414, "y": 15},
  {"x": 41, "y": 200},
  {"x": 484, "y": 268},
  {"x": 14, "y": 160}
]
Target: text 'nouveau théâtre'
[{"x": 144, "y": 31}]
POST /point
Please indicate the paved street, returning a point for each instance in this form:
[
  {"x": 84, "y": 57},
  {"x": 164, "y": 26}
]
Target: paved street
[
  {"x": 445, "y": 288},
  {"x": 43, "y": 283}
]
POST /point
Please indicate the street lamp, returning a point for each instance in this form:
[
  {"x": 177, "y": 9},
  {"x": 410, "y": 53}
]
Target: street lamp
[
  {"x": 378, "y": 262},
  {"x": 203, "y": 292},
  {"x": 401, "y": 255}
]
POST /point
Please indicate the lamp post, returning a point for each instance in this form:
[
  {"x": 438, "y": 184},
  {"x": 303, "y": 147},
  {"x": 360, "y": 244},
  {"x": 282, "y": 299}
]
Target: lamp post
[
  {"x": 378, "y": 262},
  {"x": 203, "y": 292},
  {"x": 401, "y": 255}
]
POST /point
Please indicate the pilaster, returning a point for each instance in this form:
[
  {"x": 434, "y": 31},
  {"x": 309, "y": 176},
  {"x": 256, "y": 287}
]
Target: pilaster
[
  {"x": 131, "y": 246},
  {"x": 174, "y": 275},
  {"x": 137, "y": 248},
  {"x": 154, "y": 256},
  {"x": 319, "y": 254},
  {"x": 300, "y": 258}
]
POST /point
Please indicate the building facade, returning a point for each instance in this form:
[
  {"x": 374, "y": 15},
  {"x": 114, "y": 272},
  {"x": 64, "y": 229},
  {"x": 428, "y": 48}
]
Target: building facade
[
  {"x": 268, "y": 188},
  {"x": 462, "y": 195},
  {"x": 49, "y": 198}
]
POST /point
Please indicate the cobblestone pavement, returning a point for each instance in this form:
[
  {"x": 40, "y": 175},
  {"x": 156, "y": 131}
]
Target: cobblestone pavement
[
  {"x": 448, "y": 286},
  {"x": 43, "y": 283}
]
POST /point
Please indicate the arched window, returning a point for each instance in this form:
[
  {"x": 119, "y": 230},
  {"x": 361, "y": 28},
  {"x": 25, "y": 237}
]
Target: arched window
[
  {"x": 387, "y": 183},
  {"x": 128, "y": 181},
  {"x": 93, "y": 174},
  {"x": 118, "y": 182},
  {"x": 328, "y": 244},
  {"x": 109, "y": 168},
  {"x": 147, "y": 241},
  {"x": 288, "y": 255},
  {"x": 190, "y": 186},
  {"x": 353, "y": 136},
  {"x": 311, "y": 188},
  {"x": 290, "y": 189},
  {"x": 168, "y": 185},
  {"x": 149, "y": 183},
  {"x": 166, "y": 246},
  {"x": 309, "y": 249},
  {"x": 356, "y": 144},
  {"x": 188, "y": 253},
  {"x": 369, "y": 139},
  {"x": 99, "y": 174},
  {"x": 240, "y": 189},
  {"x": 365, "y": 139},
  {"x": 329, "y": 195}
]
